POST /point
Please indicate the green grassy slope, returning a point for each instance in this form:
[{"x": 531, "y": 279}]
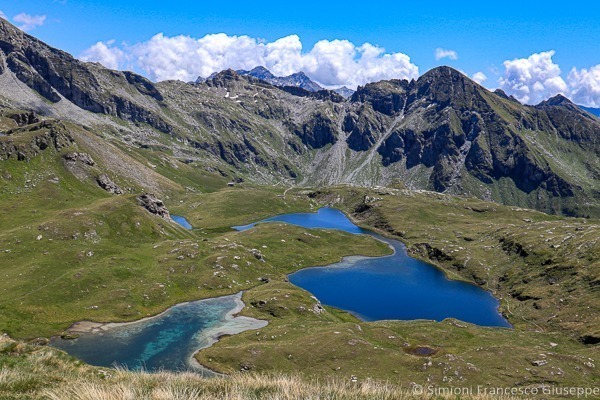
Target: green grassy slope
[{"x": 71, "y": 251}]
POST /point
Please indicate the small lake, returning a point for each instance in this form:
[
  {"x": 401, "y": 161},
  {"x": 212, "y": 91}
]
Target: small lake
[
  {"x": 165, "y": 342},
  {"x": 396, "y": 287},
  {"x": 181, "y": 221}
]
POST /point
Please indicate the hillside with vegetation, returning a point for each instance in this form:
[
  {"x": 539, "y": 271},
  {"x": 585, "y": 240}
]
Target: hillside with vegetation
[{"x": 92, "y": 168}]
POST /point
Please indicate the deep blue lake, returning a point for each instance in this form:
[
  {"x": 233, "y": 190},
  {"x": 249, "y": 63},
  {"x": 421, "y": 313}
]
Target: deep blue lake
[
  {"x": 167, "y": 341},
  {"x": 396, "y": 287}
]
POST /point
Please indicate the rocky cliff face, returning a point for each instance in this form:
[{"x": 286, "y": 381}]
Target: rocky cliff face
[
  {"x": 451, "y": 126},
  {"x": 55, "y": 75},
  {"x": 441, "y": 132}
]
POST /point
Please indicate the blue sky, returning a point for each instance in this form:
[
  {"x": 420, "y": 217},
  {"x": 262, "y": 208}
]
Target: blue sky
[{"x": 482, "y": 35}]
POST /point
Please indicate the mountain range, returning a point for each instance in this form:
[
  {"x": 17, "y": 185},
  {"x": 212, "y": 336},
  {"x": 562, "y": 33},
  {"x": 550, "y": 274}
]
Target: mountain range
[{"x": 441, "y": 132}]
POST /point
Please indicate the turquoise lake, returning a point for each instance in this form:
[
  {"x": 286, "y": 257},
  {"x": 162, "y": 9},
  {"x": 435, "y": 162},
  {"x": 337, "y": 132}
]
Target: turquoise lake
[{"x": 165, "y": 342}]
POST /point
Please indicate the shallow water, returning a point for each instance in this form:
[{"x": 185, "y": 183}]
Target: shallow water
[
  {"x": 167, "y": 341},
  {"x": 396, "y": 287},
  {"x": 181, "y": 221}
]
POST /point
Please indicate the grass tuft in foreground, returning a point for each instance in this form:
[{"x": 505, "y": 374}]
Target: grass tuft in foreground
[{"x": 30, "y": 371}]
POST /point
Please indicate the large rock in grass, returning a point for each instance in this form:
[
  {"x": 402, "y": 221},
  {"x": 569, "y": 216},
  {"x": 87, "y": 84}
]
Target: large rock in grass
[
  {"x": 107, "y": 184},
  {"x": 154, "y": 205}
]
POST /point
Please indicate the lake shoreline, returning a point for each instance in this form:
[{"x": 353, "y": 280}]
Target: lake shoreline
[
  {"x": 451, "y": 275},
  {"x": 216, "y": 333}
]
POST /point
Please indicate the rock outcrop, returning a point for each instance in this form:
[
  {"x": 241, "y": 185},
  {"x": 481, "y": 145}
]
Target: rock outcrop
[
  {"x": 107, "y": 184},
  {"x": 28, "y": 141},
  {"x": 154, "y": 205},
  {"x": 23, "y": 118},
  {"x": 84, "y": 158}
]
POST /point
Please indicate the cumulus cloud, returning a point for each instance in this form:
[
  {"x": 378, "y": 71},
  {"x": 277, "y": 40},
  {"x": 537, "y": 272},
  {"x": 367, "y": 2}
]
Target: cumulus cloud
[
  {"x": 440, "y": 53},
  {"x": 28, "y": 22},
  {"x": 330, "y": 63},
  {"x": 479, "y": 77},
  {"x": 585, "y": 86},
  {"x": 105, "y": 53},
  {"x": 533, "y": 79}
]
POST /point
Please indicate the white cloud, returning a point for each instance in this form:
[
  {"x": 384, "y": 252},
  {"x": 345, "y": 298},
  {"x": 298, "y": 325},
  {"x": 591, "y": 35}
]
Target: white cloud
[
  {"x": 479, "y": 77},
  {"x": 2, "y": 15},
  {"x": 440, "y": 53},
  {"x": 105, "y": 53},
  {"x": 585, "y": 86},
  {"x": 29, "y": 22},
  {"x": 330, "y": 63},
  {"x": 533, "y": 79}
]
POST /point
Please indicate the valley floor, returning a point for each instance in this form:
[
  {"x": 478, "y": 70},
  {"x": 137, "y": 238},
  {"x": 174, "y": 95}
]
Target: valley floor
[{"x": 71, "y": 251}]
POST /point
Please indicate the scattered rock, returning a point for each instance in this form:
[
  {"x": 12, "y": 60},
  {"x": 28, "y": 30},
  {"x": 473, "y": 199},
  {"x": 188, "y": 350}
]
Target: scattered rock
[
  {"x": 317, "y": 309},
  {"x": 539, "y": 363},
  {"x": 256, "y": 253},
  {"x": 259, "y": 303},
  {"x": 246, "y": 367},
  {"x": 590, "y": 339}
]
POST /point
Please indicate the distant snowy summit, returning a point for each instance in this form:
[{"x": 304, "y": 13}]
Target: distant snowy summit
[
  {"x": 299, "y": 80},
  {"x": 344, "y": 91}
]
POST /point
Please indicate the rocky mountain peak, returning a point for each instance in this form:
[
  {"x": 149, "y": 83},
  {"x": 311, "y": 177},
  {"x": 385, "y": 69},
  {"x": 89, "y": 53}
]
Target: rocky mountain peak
[
  {"x": 503, "y": 94},
  {"x": 9, "y": 33},
  {"x": 223, "y": 78},
  {"x": 259, "y": 72},
  {"x": 558, "y": 100},
  {"x": 445, "y": 85},
  {"x": 443, "y": 72},
  {"x": 58, "y": 77}
]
